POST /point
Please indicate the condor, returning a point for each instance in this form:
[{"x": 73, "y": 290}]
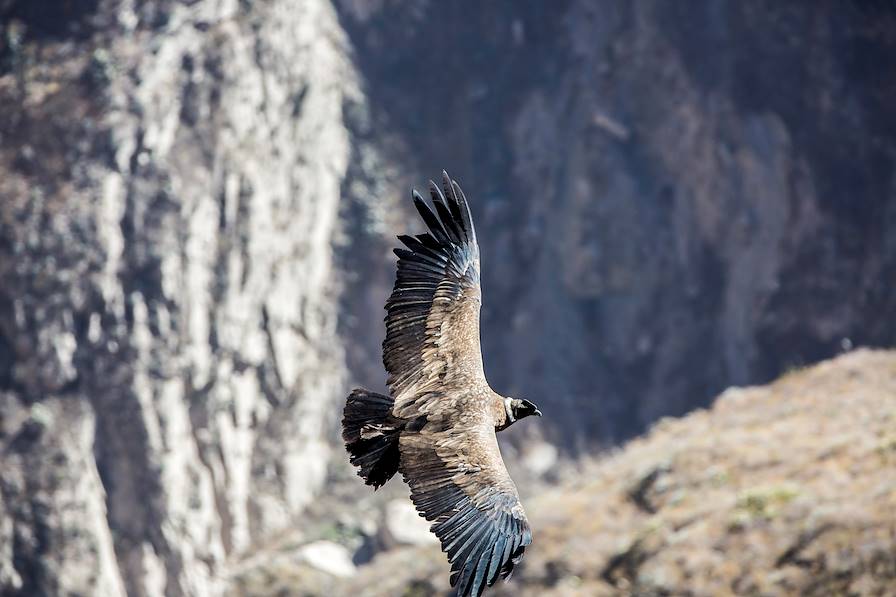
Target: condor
[{"x": 438, "y": 425}]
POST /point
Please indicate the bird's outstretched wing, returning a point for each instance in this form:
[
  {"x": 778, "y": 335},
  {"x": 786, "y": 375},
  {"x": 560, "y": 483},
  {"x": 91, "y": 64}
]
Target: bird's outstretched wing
[
  {"x": 459, "y": 482},
  {"x": 432, "y": 320},
  {"x": 450, "y": 456}
]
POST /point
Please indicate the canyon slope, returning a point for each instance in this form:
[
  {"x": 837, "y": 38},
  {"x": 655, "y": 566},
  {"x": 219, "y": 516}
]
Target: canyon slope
[{"x": 783, "y": 489}]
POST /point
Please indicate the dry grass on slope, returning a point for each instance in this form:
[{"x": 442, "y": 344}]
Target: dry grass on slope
[{"x": 783, "y": 489}]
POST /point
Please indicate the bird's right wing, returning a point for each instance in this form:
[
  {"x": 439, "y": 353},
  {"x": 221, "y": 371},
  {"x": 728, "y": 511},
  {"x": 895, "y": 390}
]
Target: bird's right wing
[
  {"x": 432, "y": 320},
  {"x": 459, "y": 483}
]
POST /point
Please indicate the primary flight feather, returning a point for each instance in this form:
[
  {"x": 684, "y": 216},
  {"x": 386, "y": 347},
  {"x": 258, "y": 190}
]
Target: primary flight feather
[{"x": 438, "y": 425}]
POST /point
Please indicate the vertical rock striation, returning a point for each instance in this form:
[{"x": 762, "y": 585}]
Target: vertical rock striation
[{"x": 170, "y": 177}]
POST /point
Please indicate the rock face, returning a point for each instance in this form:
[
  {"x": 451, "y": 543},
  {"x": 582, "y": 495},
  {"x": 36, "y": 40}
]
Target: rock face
[
  {"x": 171, "y": 178},
  {"x": 672, "y": 198},
  {"x": 195, "y": 198}
]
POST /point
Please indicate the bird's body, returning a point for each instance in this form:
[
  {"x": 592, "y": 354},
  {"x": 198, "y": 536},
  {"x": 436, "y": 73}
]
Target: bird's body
[{"x": 438, "y": 425}]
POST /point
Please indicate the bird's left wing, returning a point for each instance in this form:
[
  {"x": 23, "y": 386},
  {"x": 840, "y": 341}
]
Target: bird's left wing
[
  {"x": 432, "y": 320},
  {"x": 459, "y": 483}
]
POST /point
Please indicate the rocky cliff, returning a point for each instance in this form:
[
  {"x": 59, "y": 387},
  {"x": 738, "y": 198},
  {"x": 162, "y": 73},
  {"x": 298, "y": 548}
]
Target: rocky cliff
[
  {"x": 171, "y": 176},
  {"x": 197, "y": 200},
  {"x": 675, "y": 198}
]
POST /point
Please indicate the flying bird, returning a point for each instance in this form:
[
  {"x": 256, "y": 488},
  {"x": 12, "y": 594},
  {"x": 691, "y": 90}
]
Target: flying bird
[{"x": 438, "y": 424}]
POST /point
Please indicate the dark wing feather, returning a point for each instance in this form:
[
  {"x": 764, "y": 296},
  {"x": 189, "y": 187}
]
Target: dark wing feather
[
  {"x": 459, "y": 482},
  {"x": 432, "y": 319}
]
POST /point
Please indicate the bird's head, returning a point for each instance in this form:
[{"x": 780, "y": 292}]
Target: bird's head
[{"x": 518, "y": 408}]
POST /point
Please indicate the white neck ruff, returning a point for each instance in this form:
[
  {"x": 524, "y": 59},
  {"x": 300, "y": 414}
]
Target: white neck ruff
[{"x": 508, "y": 410}]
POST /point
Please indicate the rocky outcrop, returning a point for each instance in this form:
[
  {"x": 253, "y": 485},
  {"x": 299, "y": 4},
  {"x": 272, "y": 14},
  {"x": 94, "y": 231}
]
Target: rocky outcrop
[{"x": 171, "y": 176}]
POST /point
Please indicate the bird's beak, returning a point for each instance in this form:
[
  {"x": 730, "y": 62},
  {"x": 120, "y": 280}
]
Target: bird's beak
[{"x": 537, "y": 413}]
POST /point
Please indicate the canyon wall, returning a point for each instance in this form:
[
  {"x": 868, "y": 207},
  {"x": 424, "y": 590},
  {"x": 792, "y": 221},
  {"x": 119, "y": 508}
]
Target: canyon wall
[
  {"x": 197, "y": 202},
  {"x": 169, "y": 363},
  {"x": 671, "y": 199}
]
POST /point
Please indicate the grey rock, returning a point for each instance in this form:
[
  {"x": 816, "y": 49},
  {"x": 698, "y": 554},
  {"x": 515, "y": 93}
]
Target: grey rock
[
  {"x": 402, "y": 525},
  {"x": 169, "y": 362},
  {"x": 328, "y": 557}
]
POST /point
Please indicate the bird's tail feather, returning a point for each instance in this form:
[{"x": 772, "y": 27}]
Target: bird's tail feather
[{"x": 371, "y": 435}]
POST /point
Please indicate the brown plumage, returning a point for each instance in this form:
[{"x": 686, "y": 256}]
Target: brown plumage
[{"x": 438, "y": 425}]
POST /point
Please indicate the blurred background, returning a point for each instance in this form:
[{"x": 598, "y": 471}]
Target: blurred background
[{"x": 197, "y": 205}]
